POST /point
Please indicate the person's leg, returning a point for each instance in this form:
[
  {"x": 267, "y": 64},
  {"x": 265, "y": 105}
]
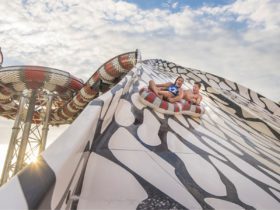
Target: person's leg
[
  {"x": 153, "y": 87},
  {"x": 165, "y": 94}
]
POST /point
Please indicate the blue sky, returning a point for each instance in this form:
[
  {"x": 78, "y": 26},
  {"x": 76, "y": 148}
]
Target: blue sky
[
  {"x": 152, "y": 4},
  {"x": 175, "y": 6}
]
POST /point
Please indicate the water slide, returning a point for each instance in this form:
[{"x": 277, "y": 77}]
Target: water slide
[{"x": 122, "y": 154}]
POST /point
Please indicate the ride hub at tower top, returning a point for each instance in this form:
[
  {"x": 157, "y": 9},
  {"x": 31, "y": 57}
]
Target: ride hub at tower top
[{"x": 119, "y": 153}]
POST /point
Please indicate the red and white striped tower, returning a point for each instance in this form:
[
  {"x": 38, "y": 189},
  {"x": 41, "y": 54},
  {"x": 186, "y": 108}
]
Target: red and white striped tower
[
  {"x": 30, "y": 95},
  {"x": 36, "y": 97}
]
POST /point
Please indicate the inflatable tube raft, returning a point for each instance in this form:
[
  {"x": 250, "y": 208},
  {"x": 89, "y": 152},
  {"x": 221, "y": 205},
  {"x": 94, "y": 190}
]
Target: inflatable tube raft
[{"x": 150, "y": 99}]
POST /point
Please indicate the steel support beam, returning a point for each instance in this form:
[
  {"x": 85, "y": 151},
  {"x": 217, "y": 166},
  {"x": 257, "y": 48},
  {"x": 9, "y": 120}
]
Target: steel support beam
[
  {"x": 28, "y": 140},
  {"x": 26, "y": 130},
  {"x": 46, "y": 123},
  {"x": 9, "y": 167}
]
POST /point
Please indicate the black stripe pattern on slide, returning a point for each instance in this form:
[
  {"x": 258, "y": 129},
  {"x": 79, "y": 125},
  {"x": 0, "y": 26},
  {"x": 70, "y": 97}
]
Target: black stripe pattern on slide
[{"x": 36, "y": 180}]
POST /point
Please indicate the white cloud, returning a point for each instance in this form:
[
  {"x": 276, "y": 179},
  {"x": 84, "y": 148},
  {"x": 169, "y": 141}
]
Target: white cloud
[
  {"x": 174, "y": 5},
  {"x": 237, "y": 39},
  {"x": 258, "y": 12}
]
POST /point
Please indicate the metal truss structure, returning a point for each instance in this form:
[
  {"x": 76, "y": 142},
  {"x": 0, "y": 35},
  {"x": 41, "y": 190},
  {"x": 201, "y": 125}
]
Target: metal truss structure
[{"x": 28, "y": 139}]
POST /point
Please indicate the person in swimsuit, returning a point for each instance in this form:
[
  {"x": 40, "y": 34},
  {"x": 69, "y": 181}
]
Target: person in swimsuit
[
  {"x": 169, "y": 91},
  {"x": 193, "y": 95}
]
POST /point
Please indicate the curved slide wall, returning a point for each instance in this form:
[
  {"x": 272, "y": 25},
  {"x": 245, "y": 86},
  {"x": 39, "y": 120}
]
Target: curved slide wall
[{"x": 120, "y": 154}]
